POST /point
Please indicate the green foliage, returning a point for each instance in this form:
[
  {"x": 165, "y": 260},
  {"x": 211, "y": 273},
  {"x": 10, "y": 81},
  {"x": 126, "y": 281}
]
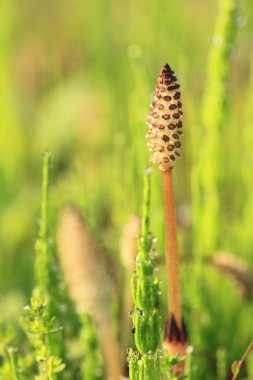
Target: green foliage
[
  {"x": 77, "y": 80},
  {"x": 145, "y": 366},
  {"x": 92, "y": 365},
  {"x": 38, "y": 321},
  {"x": 9, "y": 369},
  {"x": 208, "y": 145},
  {"x": 145, "y": 291},
  {"x": 149, "y": 362},
  {"x": 40, "y": 328},
  {"x": 151, "y": 366},
  {"x": 221, "y": 363},
  {"x": 8, "y": 354},
  {"x": 211, "y": 134}
]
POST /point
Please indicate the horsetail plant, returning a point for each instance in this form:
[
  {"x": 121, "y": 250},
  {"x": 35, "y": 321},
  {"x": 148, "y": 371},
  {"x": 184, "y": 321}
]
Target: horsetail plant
[
  {"x": 146, "y": 363},
  {"x": 165, "y": 130},
  {"x": 39, "y": 322},
  {"x": 207, "y": 169}
]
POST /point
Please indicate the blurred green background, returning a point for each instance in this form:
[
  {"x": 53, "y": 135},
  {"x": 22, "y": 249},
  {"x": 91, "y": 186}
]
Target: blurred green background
[{"x": 77, "y": 78}]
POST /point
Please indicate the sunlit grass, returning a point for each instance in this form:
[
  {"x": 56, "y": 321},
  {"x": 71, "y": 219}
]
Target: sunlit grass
[{"x": 78, "y": 80}]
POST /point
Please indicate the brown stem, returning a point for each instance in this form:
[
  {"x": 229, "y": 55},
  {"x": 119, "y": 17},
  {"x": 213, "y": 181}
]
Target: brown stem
[
  {"x": 111, "y": 351},
  {"x": 243, "y": 358},
  {"x": 172, "y": 261}
]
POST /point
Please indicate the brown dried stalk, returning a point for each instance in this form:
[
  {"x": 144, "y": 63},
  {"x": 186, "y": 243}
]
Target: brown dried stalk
[
  {"x": 165, "y": 129},
  {"x": 88, "y": 282},
  {"x": 236, "y": 269},
  {"x": 128, "y": 243},
  {"x": 231, "y": 266}
]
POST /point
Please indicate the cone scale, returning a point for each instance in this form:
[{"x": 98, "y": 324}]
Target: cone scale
[{"x": 165, "y": 120}]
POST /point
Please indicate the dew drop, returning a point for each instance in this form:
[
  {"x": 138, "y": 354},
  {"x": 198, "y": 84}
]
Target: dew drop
[{"x": 154, "y": 253}]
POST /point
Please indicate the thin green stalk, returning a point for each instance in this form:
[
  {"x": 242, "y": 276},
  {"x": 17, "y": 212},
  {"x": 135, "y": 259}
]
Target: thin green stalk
[
  {"x": 43, "y": 255},
  {"x": 208, "y": 168},
  {"x": 145, "y": 363},
  {"x": 44, "y": 197},
  {"x": 208, "y": 147},
  {"x": 188, "y": 362},
  {"x": 39, "y": 318},
  {"x": 13, "y": 363},
  {"x": 92, "y": 366},
  {"x": 245, "y": 237},
  {"x": 221, "y": 363},
  {"x": 208, "y": 160},
  {"x": 249, "y": 363}
]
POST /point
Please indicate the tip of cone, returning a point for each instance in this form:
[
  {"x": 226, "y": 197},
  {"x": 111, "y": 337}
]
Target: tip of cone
[{"x": 166, "y": 69}]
